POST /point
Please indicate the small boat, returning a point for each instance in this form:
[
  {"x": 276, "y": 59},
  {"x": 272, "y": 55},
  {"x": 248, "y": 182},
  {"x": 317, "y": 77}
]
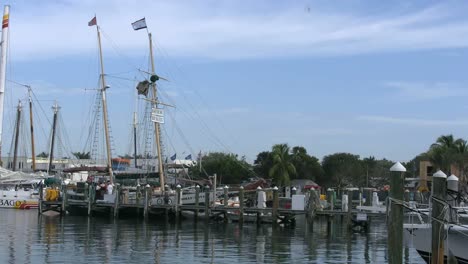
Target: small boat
[{"x": 455, "y": 241}]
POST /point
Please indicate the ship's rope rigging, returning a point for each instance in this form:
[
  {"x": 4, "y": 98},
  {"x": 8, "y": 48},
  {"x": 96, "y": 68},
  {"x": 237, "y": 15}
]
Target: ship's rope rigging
[{"x": 187, "y": 110}]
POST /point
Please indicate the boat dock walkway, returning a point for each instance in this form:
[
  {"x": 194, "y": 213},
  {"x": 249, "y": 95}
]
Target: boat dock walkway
[{"x": 144, "y": 202}]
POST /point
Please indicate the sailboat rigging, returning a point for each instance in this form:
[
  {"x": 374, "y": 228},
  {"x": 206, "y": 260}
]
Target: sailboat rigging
[{"x": 104, "y": 87}]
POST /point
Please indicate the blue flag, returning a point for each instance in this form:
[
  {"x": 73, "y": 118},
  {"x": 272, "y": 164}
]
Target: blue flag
[
  {"x": 174, "y": 157},
  {"x": 189, "y": 157}
]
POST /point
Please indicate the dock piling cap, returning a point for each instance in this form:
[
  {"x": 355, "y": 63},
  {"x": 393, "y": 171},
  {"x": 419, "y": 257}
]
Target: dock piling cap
[
  {"x": 452, "y": 178},
  {"x": 439, "y": 174},
  {"x": 398, "y": 167}
]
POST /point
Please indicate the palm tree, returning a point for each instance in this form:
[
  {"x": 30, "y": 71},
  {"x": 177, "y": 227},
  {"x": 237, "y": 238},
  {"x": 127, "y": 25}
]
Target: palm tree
[
  {"x": 442, "y": 153},
  {"x": 282, "y": 167},
  {"x": 461, "y": 156}
]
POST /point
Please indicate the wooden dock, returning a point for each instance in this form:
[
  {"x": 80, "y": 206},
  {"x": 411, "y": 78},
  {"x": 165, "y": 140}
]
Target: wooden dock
[{"x": 146, "y": 205}]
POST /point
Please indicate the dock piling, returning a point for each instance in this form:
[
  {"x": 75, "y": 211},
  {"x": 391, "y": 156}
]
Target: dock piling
[
  {"x": 241, "y": 205},
  {"x": 146, "y": 202},
  {"x": 207, "y": 203},
  {"x": 117, "y": 200},
  {"x": 395, "y": 223},
  {"x": 439, "y": 188},
  {"x": 197, "y": 201},
  {"x": 274, "y": 212}
]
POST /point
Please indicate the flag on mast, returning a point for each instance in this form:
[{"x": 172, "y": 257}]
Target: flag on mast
[
  {"x": 173, "y": 157},
  {"x": 93, "y": 22},
  {"x": 189, "y": 157},
  {"x": 139, "y": 24}
]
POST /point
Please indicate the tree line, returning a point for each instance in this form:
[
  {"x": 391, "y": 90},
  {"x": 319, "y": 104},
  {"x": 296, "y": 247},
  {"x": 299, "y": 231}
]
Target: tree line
[{"x": 283, "y": 163}]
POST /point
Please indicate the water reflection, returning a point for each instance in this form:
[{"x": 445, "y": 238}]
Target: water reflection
[{"x": 33, "y": 239}]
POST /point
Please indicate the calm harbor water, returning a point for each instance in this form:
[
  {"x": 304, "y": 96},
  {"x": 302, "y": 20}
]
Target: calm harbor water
[{"x": 28, "y": 238}]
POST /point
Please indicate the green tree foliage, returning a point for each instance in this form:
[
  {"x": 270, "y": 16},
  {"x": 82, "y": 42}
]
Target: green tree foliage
[
  {"x": 228, "y": 167},
  {"x": 82, "y": 155},
  {"x": 447, "y": 152},
  {"x": 341, "y": 170},
  {"x": 443, "y": 153},
  {"x": 43, "y": 155},
  {"x": 307, "y": 167},
  {"x": 379, "y": 175},
  {"x": 282, "y": 168},
  {"x": 263, "y": 163}
]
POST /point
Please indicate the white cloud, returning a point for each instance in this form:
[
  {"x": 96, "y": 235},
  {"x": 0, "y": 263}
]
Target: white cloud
[
  {"x": 411, "y": 121},
  {"x": 225, "y": 30}
]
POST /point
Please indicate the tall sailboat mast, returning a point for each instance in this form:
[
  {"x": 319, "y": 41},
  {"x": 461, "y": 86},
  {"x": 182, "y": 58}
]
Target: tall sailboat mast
[
  {"x": 18, "y": 122},
  {"x": 104, "y": 87},
  {"x": 33, "y": 154},
  {"x": 3, "y": 63},
  {"x": 156, "y": 124},
  {"x": 52, "y": 141}
]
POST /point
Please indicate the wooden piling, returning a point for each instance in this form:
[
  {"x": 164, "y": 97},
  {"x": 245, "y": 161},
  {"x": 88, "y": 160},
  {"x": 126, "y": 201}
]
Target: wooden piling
[
  {"x": 225, "y": 199},
  {"x": 257, "y": 205},
  {"x": 177, "y": 202},
  {"x": 197, "y": 201},
  {"x": 349, "y": 214},
  {"x": 41, "y": 197},
  {"x": 146, "y": 202},
  {"x": 91, "y": 196},
  {"x": 407, "y": 194},
  {"x": 241, "y": 204},
  {"x": 207, "y": 203},
  {"x": 117, "y": 200},
  {"x": 395, "y": 223},
  {"x": 274, "y": 212},
  {"x": 63, "y": 210},
  {"x": 330, "y": 198},
  {"x": 439, "y": 188}
]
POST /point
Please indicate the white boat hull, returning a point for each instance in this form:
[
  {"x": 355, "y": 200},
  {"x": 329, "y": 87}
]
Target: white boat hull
[{"x": 455, "y": 242}]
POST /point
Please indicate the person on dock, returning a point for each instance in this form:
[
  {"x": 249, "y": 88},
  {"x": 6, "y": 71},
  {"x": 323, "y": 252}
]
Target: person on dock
[{"x": 109, "y": 187}]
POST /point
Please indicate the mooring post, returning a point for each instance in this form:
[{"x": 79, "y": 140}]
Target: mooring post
[
  {"x": 117, "y": 200},
  {"x": 312, "y": 206},
  {"x": 274, "y": 213},
  {"x": 41, "y": 197},
  {"x": 138, "y": 194},
  {"x": 178, "y": 202},
  {"x": 64, "y": 200},
  {"x": 330, "y": 199},
  {"x": 207, "y": 203},
  {"x": 241, "y": 204},
  {"x": 349, "y": 215},
  {"x": 395, "y": 223},
  {"x": 225, "y": 200},
  {"x": 138, "y": 198},
  {"x": 197, "y": 201},
  {"x": 90, "y": 198},
  {"x": 258, "y": 205},
  {"x": 146, "y": 202},
  {"x": 439, "y": 188},
  {"x": 452, "y": 186}
]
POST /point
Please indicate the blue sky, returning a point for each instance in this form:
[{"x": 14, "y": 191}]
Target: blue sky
[{"x": 366, "y": 77}]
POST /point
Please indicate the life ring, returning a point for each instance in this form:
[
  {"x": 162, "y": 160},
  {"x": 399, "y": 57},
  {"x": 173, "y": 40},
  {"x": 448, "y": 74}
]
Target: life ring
[
  {"x": 138, "y": 195},
  {"x": 160, "y": 201}
]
